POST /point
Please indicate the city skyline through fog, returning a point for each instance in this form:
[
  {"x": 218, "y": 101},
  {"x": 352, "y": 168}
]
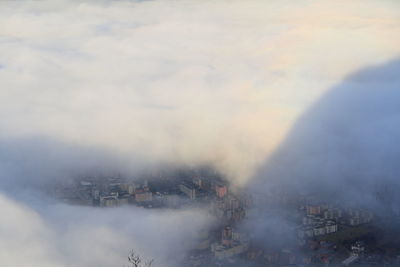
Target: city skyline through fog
[{"x": 298, "y": 97}]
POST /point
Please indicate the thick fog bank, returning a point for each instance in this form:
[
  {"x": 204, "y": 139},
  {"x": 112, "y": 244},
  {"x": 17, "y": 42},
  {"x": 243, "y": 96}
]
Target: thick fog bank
[
  {"x": 94, "y": 87},
  {"x": 344, "y": 148},
  {"x": 198, "y": 82},
  {"x": 63, "y": 235}
]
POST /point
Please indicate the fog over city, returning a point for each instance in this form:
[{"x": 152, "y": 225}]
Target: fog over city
[
  {"x": 342, "y": 149},
  {"x": 269, "y": 94}
]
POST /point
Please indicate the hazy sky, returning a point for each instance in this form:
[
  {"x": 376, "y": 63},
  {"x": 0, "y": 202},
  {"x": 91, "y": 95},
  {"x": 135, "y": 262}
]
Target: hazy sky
[{"x": 148, "y": 82}]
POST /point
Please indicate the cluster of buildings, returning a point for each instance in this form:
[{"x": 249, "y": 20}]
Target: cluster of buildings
[
  {"x": 316, "y": 226},
  {"x": 108, "y": 192},
  {"x": 117, "y": 191},
  {"x": 357, "y": 217},
  {"x": 231, "y": 244},
  {"x": 231, "y": 208},
  {"x": 314, "y": 221},
  {"x": 322, "y": 219},
  {"x": 319, "y": 220}
]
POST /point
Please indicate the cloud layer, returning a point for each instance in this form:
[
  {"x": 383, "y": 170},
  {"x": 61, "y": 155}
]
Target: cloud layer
[
  {"x": 205, "y": 81},
  {"x": 124, "y": 85},
  {"x": 344, "y": 145},
  {"x": 62, "y": 235}
]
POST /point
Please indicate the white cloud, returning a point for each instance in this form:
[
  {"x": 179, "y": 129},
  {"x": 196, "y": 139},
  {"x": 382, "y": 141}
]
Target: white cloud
[
  {"x": 200, "y": 80},
  {"x": 160, "y": 81},
  {"x": 62, "y": 235}
]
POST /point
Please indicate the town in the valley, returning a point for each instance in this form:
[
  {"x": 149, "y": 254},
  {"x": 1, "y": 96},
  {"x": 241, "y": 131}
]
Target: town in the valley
[{"x": 315, "y": 232}]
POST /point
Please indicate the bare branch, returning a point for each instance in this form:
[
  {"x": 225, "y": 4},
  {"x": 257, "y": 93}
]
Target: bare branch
[{"x": 136, "y": 261}]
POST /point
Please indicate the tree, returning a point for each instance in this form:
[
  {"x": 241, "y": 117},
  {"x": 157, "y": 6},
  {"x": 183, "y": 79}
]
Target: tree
[{"x": 135, "y": 260}]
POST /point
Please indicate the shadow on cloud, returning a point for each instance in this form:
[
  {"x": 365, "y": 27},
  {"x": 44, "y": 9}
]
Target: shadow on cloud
[{"x": 343, "y": 149}]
